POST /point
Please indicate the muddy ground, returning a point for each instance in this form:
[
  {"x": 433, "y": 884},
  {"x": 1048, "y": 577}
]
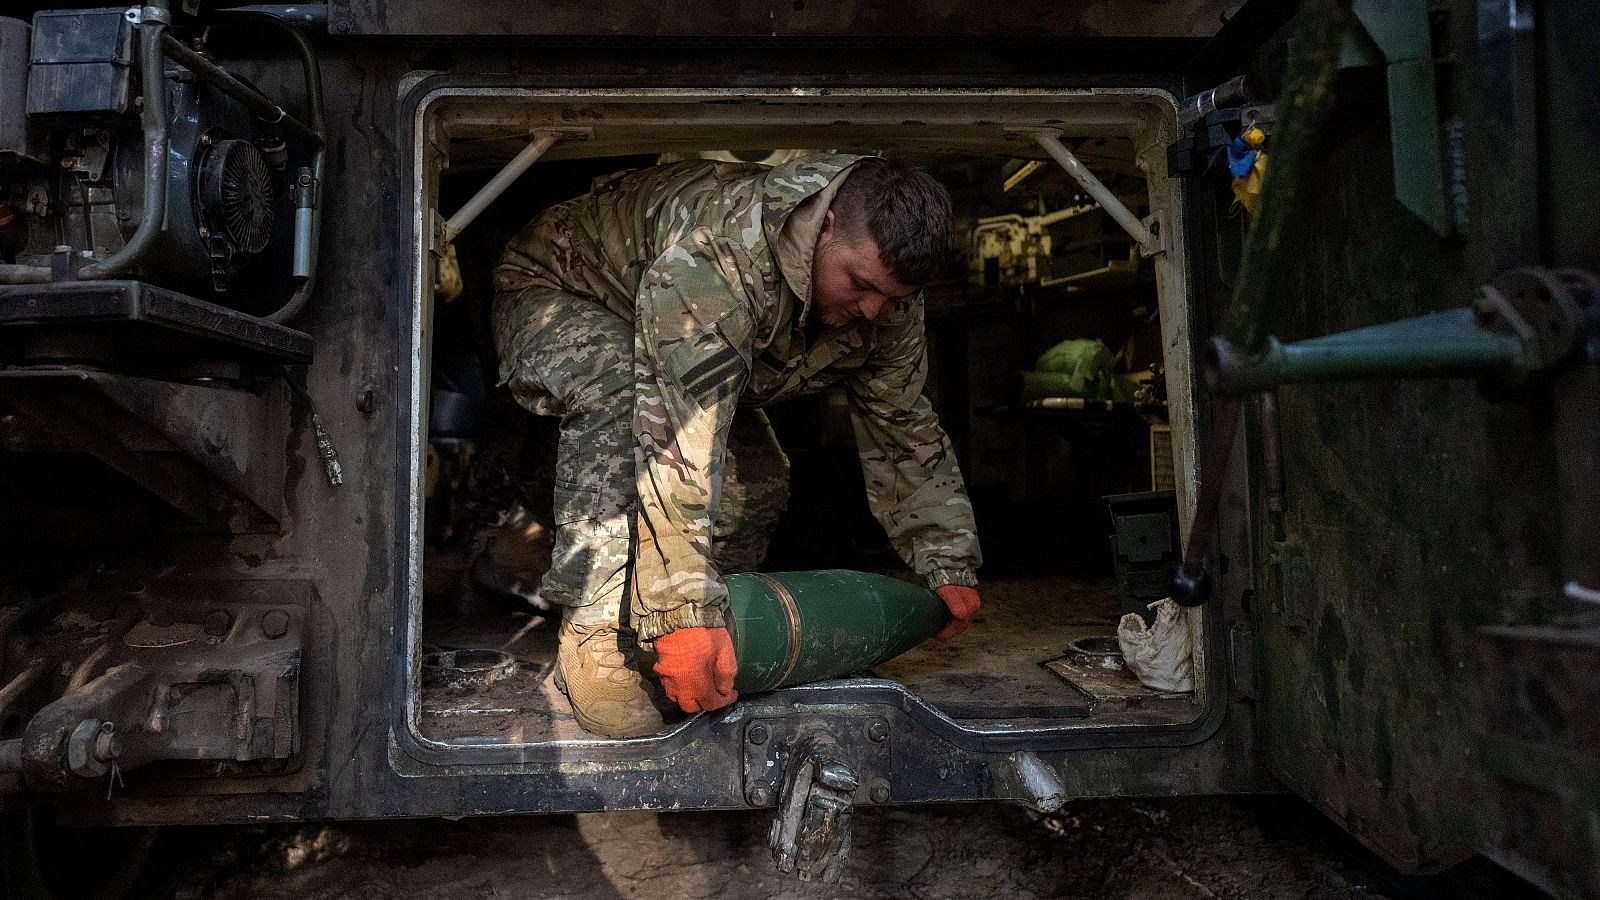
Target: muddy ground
[{"x": 1140, "y": 850}]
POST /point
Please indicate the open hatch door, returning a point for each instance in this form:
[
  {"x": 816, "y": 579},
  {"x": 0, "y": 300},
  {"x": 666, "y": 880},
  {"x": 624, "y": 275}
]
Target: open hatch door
[{"x": 1426, "y": 623}]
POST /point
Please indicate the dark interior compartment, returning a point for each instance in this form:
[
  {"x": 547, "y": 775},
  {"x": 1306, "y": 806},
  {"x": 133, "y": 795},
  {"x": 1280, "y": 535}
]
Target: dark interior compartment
[{"x": 1037, "y": 472}]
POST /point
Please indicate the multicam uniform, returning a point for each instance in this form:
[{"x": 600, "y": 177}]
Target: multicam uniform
[{"x": 645, "y": 314}]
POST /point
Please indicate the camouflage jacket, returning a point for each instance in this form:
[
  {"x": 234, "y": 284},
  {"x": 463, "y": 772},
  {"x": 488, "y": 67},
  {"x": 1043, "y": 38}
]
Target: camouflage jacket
[{"x": 711, "y": 262}]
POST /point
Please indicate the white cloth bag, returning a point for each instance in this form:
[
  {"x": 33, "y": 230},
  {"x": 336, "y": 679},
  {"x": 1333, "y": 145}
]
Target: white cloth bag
[{"x": 1161, "y": 655}]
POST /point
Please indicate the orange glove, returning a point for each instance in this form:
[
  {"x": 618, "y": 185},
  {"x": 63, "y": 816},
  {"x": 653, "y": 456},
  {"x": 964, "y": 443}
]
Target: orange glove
[
  {"x": 963, "y": 603},
  {"x": 696, "y": 667}
]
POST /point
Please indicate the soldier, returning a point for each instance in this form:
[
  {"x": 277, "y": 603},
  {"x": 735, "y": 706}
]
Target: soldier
[{"x": 656, "y": 315}]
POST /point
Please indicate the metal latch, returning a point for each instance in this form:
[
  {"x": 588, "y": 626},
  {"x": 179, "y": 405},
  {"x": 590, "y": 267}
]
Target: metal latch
[
  {"x": 811, "y": 835},
  {"x": 815, "y": 770}
]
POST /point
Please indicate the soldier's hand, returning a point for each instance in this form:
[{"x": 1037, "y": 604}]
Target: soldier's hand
[
  {"x": 963, "y": 603},
  {"x": 696, "y": 667}
]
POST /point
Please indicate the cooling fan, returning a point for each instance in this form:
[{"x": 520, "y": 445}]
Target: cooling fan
[{"x": 235, "y": 198}]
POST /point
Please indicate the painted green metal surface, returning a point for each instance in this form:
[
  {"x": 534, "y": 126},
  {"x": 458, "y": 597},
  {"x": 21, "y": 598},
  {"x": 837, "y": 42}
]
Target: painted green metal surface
[
  {"x": 1419, "y": 516},
  {"x": 797, "y": 627},
  {"x": 1319, "y": 32},
  {"x": 1398, "y": 31},
  {"x": 1438, "y": 345}
]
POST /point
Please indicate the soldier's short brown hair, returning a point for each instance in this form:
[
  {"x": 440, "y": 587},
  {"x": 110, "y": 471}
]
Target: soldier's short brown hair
[{"x": 901, "y": 207}]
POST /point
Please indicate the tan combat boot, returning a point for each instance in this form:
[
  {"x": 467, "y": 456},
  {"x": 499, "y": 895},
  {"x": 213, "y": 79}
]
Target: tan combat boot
[{"x": 599, "y": 671}]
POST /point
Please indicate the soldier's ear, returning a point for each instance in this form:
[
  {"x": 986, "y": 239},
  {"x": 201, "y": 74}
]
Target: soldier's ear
[{"x": 827, "y": 223}]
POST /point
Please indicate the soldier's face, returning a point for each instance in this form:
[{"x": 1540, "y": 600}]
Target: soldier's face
[{"x": 848, "y": 279}]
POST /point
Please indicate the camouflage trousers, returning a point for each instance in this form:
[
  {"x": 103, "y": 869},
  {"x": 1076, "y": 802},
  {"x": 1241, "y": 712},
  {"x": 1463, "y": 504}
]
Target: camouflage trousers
[{"x": 573, "y": 358}]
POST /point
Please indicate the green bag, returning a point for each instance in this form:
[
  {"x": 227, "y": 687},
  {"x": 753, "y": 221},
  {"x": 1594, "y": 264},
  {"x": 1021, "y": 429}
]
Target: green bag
[{"x": 1074, "y": 368}]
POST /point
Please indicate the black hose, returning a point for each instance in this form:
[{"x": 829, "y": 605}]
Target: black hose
[{"x": 252, "y": 99}]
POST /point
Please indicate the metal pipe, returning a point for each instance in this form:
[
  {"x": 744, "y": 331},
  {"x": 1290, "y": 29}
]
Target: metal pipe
[
  {"x": 252, "y": 99},
  {"x": 1233, "y": 92},
  {"x": 1102, "y": 195},
  {"x": 287, "y": 13},
  {"x": 19, "y": 685},
  {"x": 1446, "y": 344},
  {"x": 503, "y": 179},
  {"x": 155, "y": 121},
  {"x": 305, "y": 210},
  {"x": 10, "y": 274}
]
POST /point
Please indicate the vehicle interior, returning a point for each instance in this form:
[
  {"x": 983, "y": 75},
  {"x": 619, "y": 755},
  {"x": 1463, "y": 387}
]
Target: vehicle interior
[{"x": 1059, "y": 365}]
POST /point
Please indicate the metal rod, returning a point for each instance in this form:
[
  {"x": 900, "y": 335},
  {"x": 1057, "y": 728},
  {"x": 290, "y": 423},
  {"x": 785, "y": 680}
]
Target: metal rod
[
  {"x": 1102, "y": 195},
  {"x": 288, "y": 13},
  {"x": 11, "y": 274},
  {"x": 1446, "y": 344},
  {"x": 1191, "y": 582},
  {"x": 20, "y": 684},
  {"x": 1233, "y": 92},
  {"x": 1272, "y": 452},
  {"x": 252, "y": 99},
  {"x": 503, "y": 179},
  {"x": 152, "y": 65}
]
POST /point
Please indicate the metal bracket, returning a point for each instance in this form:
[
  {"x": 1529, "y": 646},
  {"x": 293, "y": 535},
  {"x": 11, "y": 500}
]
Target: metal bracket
[
  {"x": 816, "y": 769},
  {"x": 1395, "y": 34},
  {"x": 438, "y": 234},
  {"x": 194, "y": 678},
  {"x": 1050, "y": 139},
  {"x": 811, "y": 835},
  {"x": 543, "y": 140},
  {"x": 180, "y": 441}
]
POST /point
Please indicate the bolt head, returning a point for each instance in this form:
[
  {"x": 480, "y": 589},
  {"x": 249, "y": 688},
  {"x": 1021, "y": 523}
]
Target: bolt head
[
  {"x": 878, "y": 732},
  {"x": 760, "y": 795},
  {"x": 757, "y": 734},
  {"x": 275, "y": 623},
  {"x": 217, "y": 622}
]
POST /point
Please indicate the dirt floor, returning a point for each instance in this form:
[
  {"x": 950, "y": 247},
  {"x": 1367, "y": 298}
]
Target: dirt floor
[{"x": 1140, "y": 850}]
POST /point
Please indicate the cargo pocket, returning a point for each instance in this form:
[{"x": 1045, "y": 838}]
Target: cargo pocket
[{"x": 589, "y": 562}]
